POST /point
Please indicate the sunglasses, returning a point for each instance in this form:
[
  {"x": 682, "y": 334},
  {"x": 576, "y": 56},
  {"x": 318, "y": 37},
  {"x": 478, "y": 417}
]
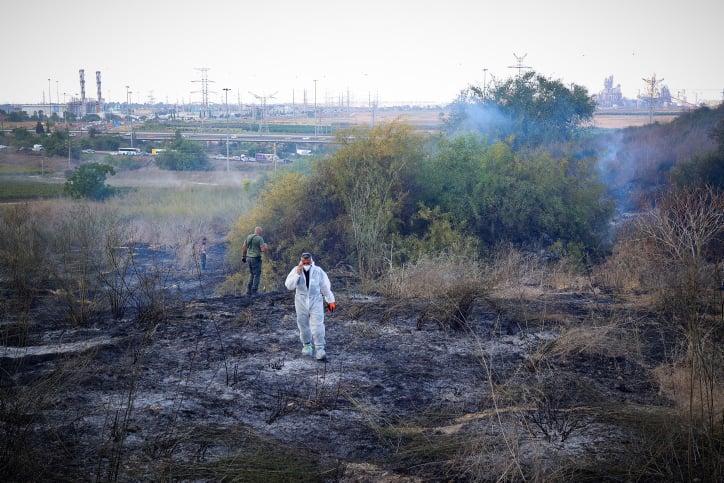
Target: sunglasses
[{"x": 306, "y": 256}]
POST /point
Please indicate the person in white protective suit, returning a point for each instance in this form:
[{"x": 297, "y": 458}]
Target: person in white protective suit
[{"x": 313, "y": 290}]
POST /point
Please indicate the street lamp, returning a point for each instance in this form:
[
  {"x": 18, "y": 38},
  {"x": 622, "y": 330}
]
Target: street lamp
[
  {"x": 50, "y": 102},
  {"x": 128, "y": 111},
  {"x": 66, "y": 115},
  {"x": 128, "y": 104},
  {"x": 226, "y": 93},
  {"x": 316, "y": 132}
]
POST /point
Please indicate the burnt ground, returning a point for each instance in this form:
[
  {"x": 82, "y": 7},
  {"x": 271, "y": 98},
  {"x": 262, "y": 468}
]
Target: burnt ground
[{"x": 214, "y": 388}]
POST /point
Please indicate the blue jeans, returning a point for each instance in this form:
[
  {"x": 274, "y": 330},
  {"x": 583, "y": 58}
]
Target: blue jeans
[{"x": 255, "y": 275}]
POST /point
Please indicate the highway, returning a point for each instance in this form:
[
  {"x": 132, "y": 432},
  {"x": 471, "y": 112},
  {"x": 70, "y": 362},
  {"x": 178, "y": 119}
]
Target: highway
[{"x": 245, "y": 137}]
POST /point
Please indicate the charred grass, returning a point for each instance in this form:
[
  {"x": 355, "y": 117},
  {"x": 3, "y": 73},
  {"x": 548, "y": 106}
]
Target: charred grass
[{"x": 513, "y": 369}]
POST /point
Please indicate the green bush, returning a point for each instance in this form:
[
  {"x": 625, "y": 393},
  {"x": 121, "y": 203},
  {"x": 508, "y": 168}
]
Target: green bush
[
  {"x": 89, "y": 181},
  {"x": 184, "y": 155}
]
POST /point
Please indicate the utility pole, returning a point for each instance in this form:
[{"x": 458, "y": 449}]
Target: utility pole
[
  {"x": 204, "y": 91},
  {"x": 485, "y": 83},
  {"x": 226, "y": 93},
  {"x": 519, "y": 63},
  {"x": 66, "y": 114},
  {"x": 128, "y": 111},
  {"x": 653, "y": 92},
  {"x": 263, "y": 127},
  {"x": 316, "y": 123}
]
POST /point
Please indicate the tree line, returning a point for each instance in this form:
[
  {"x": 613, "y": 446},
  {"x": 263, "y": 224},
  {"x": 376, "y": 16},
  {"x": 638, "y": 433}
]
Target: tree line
[{"x": 516, "y": 164}]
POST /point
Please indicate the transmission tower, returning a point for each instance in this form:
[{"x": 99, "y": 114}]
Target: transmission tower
[
  {"x": 204, "y": 91},
  {"x": 652, "y": 94},
  {"x": 519, "y": 63},
  {"x": 263, "y": 127}
]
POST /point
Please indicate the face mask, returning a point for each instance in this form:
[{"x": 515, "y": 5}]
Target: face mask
[{"x": 307, "y": 267}]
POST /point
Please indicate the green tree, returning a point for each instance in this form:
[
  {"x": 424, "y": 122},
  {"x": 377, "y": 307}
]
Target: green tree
[
  {"x": 39, "y": 128},
  {"x": 89, "y": 181},
  {"x": 183, "y": 155},
  {"x": 57, "y": 145},
  {"x": 449, "y": 177},
  {"x": 298, "y": 214},
  {"x": 22, "y": 135},
  {"x": 105, "y": 143},
  {"x": 350, "y": 206},
  {"x": 521, "y": 197},
  {"x": 537, "y": 110},
  {"x": 18, "y": 116}
]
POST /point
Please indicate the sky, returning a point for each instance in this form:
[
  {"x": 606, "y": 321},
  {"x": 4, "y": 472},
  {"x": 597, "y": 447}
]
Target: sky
[{"x": 392, "y": 51}]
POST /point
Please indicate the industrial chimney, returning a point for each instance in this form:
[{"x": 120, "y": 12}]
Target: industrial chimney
[
  {"x": 82, "y": 86},
  {"x": 99, "y": 107},
  {"x": 82, "y": 92}
]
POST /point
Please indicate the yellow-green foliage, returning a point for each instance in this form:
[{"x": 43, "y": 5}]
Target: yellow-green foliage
[
  {"x": 346, "y": 210},
  {"x": 372, "y": 175},
  {"x": 284, "y": 211}
]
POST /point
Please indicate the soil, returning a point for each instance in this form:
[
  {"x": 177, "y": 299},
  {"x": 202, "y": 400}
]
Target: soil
[{"x": 203, "y": 387}]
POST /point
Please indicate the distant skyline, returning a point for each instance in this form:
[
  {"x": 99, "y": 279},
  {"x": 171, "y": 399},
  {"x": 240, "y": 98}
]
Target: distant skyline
[{"x": 399, "y": 52}]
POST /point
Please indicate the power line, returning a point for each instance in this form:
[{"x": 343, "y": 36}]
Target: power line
[
  {"x": 652, "y": 94},
  {"x": 519, "y": 63},
  {"x": 263, "y": 127},
  {"x": 204, "y": 91}
]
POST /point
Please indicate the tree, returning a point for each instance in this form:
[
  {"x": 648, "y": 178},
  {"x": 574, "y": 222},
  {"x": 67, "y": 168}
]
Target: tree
[
  {"x": 39, "y": 128},
  {"x": 18, "y": 116},
  {"x": 183, "y": 155},
  {"x": 538, "y": 110},
  {"x": 520, "y": 197},
  {"x": 89, "y": 181},
  {"x": 370, "y": 175},
  {"x": 352, "y": 204}
]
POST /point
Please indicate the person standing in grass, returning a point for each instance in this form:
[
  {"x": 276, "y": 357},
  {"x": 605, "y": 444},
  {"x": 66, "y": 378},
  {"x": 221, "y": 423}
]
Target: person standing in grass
[
  {"x": 251, "y": 251},
  {"x": 203, "y": 254},
  {"x": 313, "y": 290}
]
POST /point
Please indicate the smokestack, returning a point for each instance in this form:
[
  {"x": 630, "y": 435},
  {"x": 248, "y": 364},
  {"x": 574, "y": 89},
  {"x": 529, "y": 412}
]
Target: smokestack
[
  {"x": 99, "y": 108},
  {"x": 98, "y": 83},
  {"x": 82, "y": 86}
]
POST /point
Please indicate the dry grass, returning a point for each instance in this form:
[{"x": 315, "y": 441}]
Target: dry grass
[
  {"x": 432, "y": 275},
  {"x": 620, "y": 121},
  {"x": 675, "y": 383},
  {"x": 612, "y": 340}
]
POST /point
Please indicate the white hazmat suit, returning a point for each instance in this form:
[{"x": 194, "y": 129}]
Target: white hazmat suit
[{"x": 309, "y": 303}]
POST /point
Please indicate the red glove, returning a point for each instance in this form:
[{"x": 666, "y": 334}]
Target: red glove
[{"x": 330, "y": 307}]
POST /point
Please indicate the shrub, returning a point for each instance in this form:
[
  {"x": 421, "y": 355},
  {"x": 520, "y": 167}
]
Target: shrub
[
  {"x": 89, "y": 181},
  {"x": 677, "y": 249}
]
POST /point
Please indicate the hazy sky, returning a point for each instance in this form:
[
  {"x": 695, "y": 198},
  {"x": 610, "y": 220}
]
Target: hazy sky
[{"x": 397, "y": 50}]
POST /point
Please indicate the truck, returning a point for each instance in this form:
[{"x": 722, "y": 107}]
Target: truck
[{"x": 264, "y": 157}]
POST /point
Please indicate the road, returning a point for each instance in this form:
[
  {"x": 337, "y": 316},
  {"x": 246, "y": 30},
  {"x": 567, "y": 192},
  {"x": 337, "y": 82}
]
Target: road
[{"x": 250, "y": 137}]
